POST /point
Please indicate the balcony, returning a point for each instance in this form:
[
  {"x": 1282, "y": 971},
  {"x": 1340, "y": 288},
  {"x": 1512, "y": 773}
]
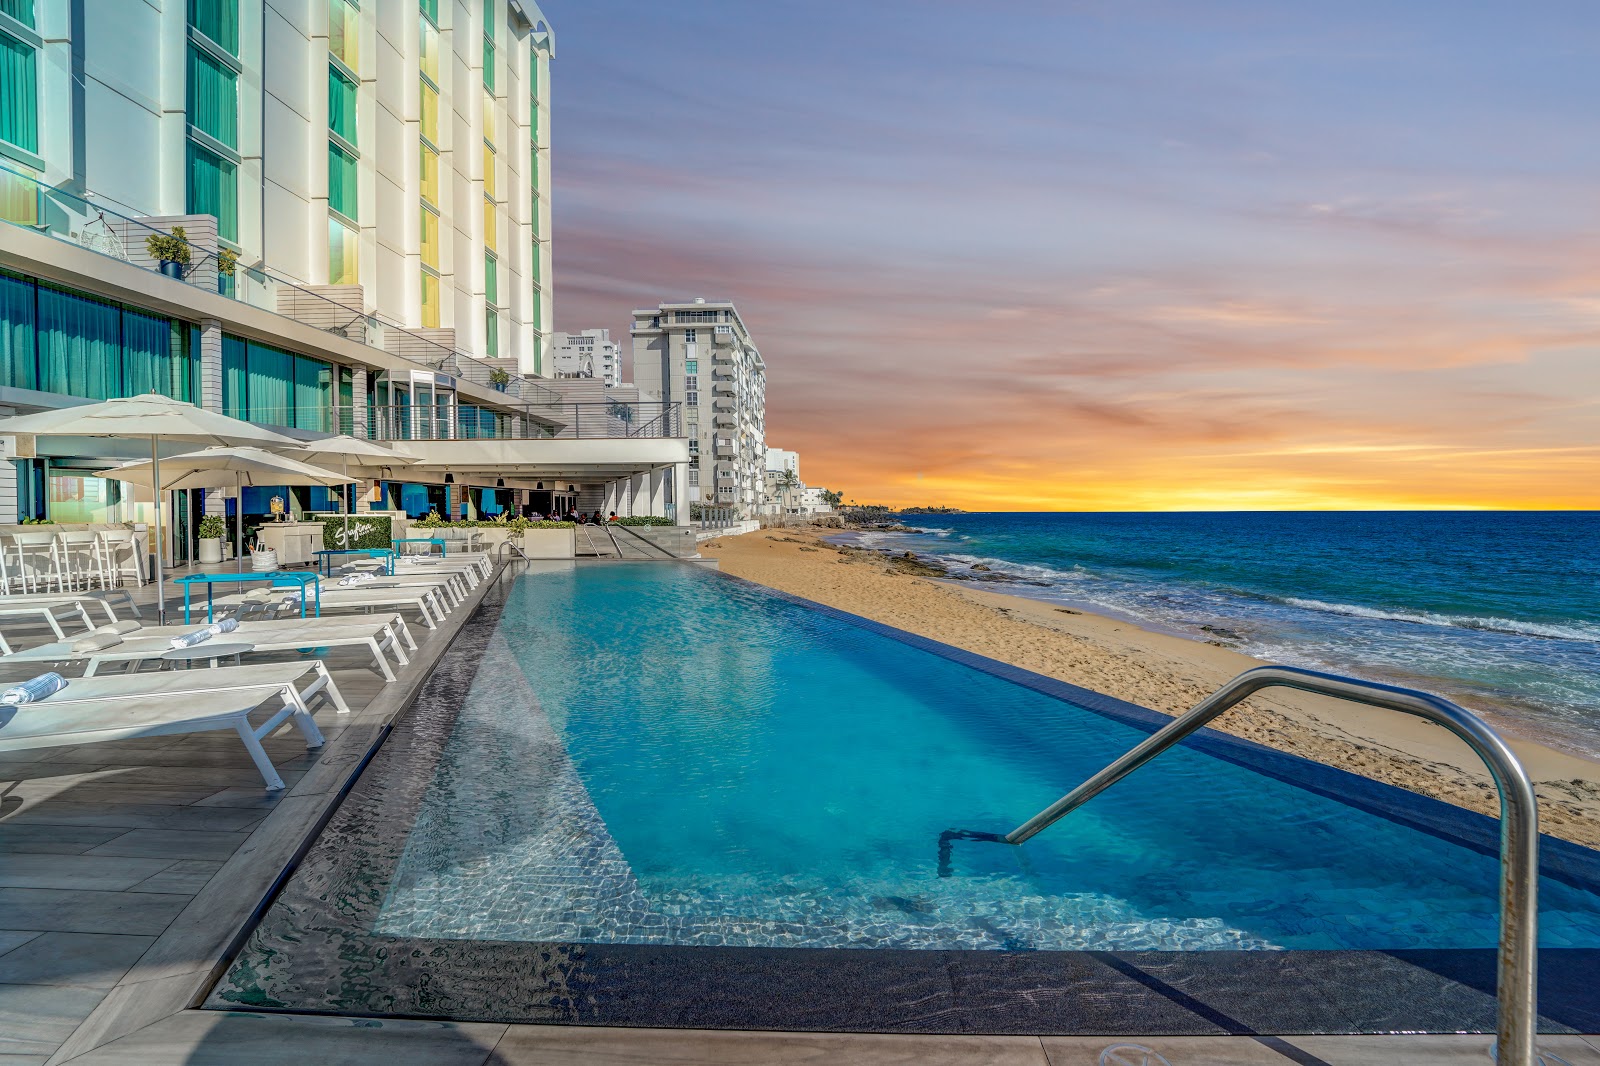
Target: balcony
[
  {"x": 724, "y": 421},
  {"x": 453, "y": 421},
  {"x": 724, "y": 335},
  {"x": 723, "y": 388}
]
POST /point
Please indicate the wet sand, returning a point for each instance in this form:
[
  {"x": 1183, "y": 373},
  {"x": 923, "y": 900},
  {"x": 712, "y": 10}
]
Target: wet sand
[{"x": 1158, "y": 670}]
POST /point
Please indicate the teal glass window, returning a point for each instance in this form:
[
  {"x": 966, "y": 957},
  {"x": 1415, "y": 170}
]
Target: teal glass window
[
  {"x": 80, "y": 345},
  {"x": 21, "y": 10},
  {"x": 313, "y": 394},
  {"x": 341, "y": 104},
  {"x": 491, "y": 333},
  {"x": 213, "y": 97},
  {"x": 218, "y": 20},
  {"x": 17, "y": 330},
  {"x": 491, "y": 280},
  {"x": 19, "y": 94},
  {"x": 270, "y": 380},
  {"x": 431, "y": 9},
  {"x": 213, "y": 189},
  {"x": 488, "y": 63},
  {"x": 234, "y": 362},
  {"x": 342, "y": 182}
]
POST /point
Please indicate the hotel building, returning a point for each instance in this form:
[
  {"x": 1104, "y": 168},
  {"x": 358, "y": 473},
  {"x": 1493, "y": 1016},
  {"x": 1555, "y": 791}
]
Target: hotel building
[
  {"x": 363, "y": 188},
  {"x": 700, "y": 354},
  {"x": 590, "y": 354}
]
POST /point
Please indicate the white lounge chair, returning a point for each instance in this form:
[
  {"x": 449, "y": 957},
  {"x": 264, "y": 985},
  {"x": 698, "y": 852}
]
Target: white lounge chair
[
  {"x": 426, "y": 601},
  {"x": 58, "y": 722},
  {"x": 452, "y": 586},
  {"x": 379, "y": 634},
  {"x": 45, "y": 608},
  {"x": 185, "y": 682}
]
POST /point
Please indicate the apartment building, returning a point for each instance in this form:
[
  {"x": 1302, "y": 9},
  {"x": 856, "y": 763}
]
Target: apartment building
[
  {"x": 780, "y": 461},
  {"x": 363, "y": 190},
  {"x": 701, "y": 354},
  {"x": 591, "y": 354},
  {"x": 391, "y": 154}
]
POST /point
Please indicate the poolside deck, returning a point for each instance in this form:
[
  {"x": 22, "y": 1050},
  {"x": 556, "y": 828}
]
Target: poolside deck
[{"x": 128, "y": 870}]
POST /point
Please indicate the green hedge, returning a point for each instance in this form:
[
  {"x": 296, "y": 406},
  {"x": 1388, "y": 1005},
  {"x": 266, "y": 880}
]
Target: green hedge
[
  {"x": 645, "y": 520},
  {"x": 366, "y": 531}
]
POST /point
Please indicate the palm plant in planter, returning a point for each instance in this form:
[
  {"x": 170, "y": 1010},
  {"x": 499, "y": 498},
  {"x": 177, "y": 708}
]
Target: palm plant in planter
[
  {"x": 170, "y": 250},
  {"x": 212, "y": 530},
  {"x": 227, "y": 262},
  {"x": 499, "y": 379}
]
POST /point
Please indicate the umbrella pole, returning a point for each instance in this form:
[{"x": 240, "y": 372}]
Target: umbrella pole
[
  {"x": 155, "y": 482},
  {"x": 238, "y": 523}
]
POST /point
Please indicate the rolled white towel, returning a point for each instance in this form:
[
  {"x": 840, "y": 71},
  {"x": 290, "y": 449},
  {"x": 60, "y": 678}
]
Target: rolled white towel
[
  {"x": 189, "y": 640},
  {"x": 98, "y": 640},
  {"x": 227, "y": 625},
  {"x": 33, "y": 689}
]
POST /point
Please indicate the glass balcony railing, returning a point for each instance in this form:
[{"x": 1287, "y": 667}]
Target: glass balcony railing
[
  {"x": 457, "y": 421},
  {"x": 29, "y": 203}
]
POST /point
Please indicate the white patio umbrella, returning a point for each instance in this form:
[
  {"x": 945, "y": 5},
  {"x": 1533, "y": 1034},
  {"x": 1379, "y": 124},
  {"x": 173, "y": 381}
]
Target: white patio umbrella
[
  {"x": 157, "y": 417},
  {"x": 351, "y": 451},
  {"x": 217, "y": 468}
]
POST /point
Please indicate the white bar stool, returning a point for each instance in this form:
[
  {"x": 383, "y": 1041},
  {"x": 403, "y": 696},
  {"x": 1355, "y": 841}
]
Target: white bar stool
[
  {"x": 120, "y": 549},
  {"x": 39, "y": 557}
]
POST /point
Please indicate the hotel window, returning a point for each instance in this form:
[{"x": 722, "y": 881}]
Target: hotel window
[
  {"x": 430, "y": 50},
  {"x": 213, "y": 189},
  {"x": 430, "y": 300},
  {"x": 491, "y": 302},
  {"x": 488, "y": 53},
  {"x": 341, "y": 104},
  {"x": 431, "y": 9},
  {"x": 344, "y": 32},
  {"x": 430, "y": 112},
  {"x": 691, "y": 366},
  {"x": 342, "y": 182},
  {"x": 430, "y": 175},
  {"x": 19, "y": 82},
  {"x": 489, "y": 159},
  {"x": 430, "y": 238},
  {"x": 536, "y": 262},
  {"x": 213, "y": 96},
  {"x": 342, "y": 260},
  {"x": 488, "y": 117},
  {"x": 218, "y": 20},
  {"x": 490, "y": 224}
]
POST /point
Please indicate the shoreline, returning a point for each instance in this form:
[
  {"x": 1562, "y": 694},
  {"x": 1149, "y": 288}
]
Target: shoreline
[{"x": 1168, "y": 672}]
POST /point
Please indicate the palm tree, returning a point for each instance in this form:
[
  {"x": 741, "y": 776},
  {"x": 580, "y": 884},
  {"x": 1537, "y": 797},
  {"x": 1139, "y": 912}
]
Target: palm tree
[{"x": 788, "y": 481}]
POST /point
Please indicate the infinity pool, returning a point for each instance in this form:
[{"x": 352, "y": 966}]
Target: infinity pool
[{"x": 655, "y": 755}]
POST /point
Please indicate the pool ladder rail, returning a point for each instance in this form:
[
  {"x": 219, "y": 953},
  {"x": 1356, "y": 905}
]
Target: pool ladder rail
[{"x": 1516, "y": 984}]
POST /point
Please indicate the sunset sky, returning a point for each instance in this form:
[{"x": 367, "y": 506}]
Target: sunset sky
[{"x": 1119, "y": 255}]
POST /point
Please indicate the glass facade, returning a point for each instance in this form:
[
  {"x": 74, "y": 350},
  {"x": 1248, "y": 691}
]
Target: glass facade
[
  {"x": 218, "y": 20},
  {"x": 430, "y": 112},
  {"x": 429, "y": 44},
  {"x": 343, "y": 33},
  {"x": 21, "y": 10},
  {"x": 430, "y": 300},
  {"x": 265, "y": 384},
  {"x": 430, "y": 175},
  {"x": 342, "y": 182},
  {"x": 430, "y": 238},
  {"x": 57, "y": 340},
  {"x": 491, "y": 301},
  {"x": 341, "y": 104},
  {"x": 213, "y": 189},
  {"x": 213, "y": 97},
  {"x": 343, "y": 261},
  {"x": 19, "y": 93}
]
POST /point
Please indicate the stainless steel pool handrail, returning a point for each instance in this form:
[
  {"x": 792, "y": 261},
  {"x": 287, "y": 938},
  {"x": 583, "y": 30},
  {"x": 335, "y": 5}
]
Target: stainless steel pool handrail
[{"x": 1516, "y": 981}]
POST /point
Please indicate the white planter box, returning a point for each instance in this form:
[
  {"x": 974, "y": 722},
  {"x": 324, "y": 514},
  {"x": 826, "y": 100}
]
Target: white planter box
[{"x": 549, "y": 544}]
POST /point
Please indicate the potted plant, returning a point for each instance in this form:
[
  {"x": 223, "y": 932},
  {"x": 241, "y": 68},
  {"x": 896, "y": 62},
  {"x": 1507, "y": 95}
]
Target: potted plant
[
  {"x": 171, "y": 251},
  {"x": 212, "y": 532},
  {"x": 499, "y": 379},
  {"x": 227, "y": 261}
]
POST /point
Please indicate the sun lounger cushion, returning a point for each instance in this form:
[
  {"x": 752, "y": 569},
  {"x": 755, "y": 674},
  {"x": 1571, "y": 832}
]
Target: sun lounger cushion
[{"x": 97, "y": 640}]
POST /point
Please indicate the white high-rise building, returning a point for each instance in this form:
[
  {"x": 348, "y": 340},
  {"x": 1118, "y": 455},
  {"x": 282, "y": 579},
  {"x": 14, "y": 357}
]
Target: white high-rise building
[
  {"x": 701, "y": 355},
  {"x": 590, "y": 354},
  {"x": 392, "y": 154},
  {"x": 779, "y": 460}
]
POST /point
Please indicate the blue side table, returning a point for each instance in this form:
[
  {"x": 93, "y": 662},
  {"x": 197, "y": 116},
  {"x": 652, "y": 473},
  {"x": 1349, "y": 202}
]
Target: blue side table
[{"x": 302, "y": 579}]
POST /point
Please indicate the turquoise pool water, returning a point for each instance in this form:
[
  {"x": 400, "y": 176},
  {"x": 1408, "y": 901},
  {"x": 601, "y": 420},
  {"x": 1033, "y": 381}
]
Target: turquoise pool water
[{"x": 652, "y": 754}]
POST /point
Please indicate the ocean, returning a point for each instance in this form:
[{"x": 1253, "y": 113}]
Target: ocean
[{"x": 1499, "y": 610}]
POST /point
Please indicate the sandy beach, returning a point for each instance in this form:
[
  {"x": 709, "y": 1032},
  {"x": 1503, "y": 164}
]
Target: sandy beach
[{"x": 1158, "y": 670}]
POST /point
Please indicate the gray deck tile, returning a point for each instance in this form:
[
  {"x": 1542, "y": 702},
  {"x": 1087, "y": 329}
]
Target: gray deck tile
[
  {"x": 1430, "y": 1050},
  {"x": 136, "y": 816},
  {"x": 102, "y": 872},
  {"x": 242, "y": 798},
  {"x": 563, "y": 1045},
  {"x": 183, "y": 876},
  {"x": 89, "y": 960},
  {"x": 209, "y": 1038},
  {"x": 34, "y": 1019},
  {"x": 173, "y": 844},
  {"x": 129, "y": 1007},
  {"x": 1179, "y": 1050},
  {"x": 51, "y": 840},
  {"x": 135, "y": 913},
  {"x": 15, "y": 938}
]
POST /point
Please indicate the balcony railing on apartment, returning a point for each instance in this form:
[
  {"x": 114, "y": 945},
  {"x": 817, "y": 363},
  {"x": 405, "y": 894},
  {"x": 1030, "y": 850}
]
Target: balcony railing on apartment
[
  {"x": 25, "y": 201},
  {"x": 422, "y": 422}
]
